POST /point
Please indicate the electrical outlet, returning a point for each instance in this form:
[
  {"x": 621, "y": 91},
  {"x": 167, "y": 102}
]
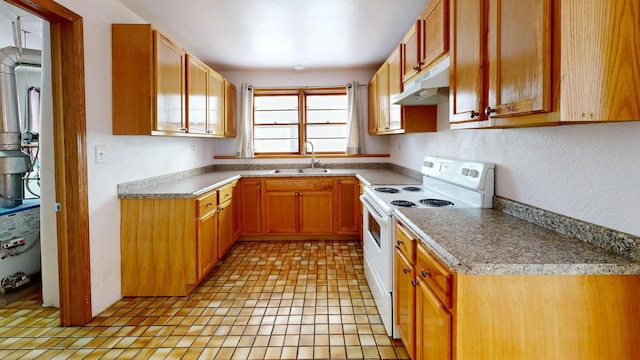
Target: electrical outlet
[
  {"x": 8, "y": 244},
  {"x": 193, "y": 148}
]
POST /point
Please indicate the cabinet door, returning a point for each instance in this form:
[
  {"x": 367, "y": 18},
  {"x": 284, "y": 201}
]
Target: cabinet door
[
  {"x": 316, "y": 211},
  {"x": 347, "y": 205},
  {"x": 411, "y": 52},
  {"x": 435, "y": 32},
  {"x": 519, "y": 50},
  {"x": 225, "y": 235},
  {"x": 395, "y": 88},
  {"x": 197, "y": 81},
  {"x": 467, "y": 96},
  {"x": 250, "y": 203},
  {"x": 383, "y": 98},
  {"x": 170, "y": 85},
  {"x": 372, "y": 108},
  {"x": 433, "y": 326},
  {"x": 281, "y": 212},
  {"x": 216, "y": 104},
  {"x": 235, "y": 212},
  {"x": 206, "y": 243},
  {"x": 404, "y": 301},
  {"x": 229, "y": 109}
]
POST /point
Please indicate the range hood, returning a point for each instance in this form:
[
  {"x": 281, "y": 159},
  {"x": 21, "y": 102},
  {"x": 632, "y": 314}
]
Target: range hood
[{"x": 430, "y": 88}]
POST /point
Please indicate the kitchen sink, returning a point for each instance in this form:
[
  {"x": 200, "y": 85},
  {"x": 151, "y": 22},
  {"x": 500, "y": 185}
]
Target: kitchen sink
[{"x": 300, "y": 171}]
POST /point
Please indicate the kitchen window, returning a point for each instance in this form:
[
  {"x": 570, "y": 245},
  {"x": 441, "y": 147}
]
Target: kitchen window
[{"x": 283, "y": 119}]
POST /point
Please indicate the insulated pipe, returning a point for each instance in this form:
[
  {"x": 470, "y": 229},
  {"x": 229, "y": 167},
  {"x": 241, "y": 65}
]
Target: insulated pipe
[{"x": 13, "y": 162}]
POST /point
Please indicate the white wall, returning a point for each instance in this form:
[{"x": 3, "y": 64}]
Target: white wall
[{"x": 588, "y": 172}]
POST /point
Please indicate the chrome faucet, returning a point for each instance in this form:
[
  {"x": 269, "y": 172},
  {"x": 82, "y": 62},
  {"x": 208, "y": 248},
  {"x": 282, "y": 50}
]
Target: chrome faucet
[{"x": 313, "y": 152}]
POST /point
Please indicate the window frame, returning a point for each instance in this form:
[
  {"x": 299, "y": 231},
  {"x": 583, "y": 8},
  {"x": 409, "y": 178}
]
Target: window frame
[{"x": 302, "y": 94}]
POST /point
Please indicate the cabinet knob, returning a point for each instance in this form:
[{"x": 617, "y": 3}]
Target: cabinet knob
[
  {"x": 474, "y": 114},
  {"x": 339, "y": 181},
  {"x": 258, "y": 183},
  {"x": 425, "y": 273},
  {"x": 416, "y": 68},
  {"x": 414, "y": 282},
  {"x": 488, "y": 111},
  {"x": 183, "y": 130},
  {"x": 406, "y": 270},
  {"x": 399, "y": 242}
]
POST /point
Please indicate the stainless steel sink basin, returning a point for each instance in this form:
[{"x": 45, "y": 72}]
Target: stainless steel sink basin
[{"x": 301, "y": 171}]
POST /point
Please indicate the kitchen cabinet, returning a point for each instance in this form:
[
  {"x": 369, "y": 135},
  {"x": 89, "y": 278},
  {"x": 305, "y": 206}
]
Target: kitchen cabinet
[
  {"x": 207, "y": 234},
  {"x": 168, "y": 245},
  {"x": 426, "y": 41},
  {"x": 225, "y": 219},
  {"x": 299, "y": 206},
  {"x": 525, "y": 73},
  {"x": 508, "y": 73},
  {"x": 229, "y": 109},
  {"x": 235, "y": 210},
  {"x": 495, "y": 316},
  {"x": 410, "y": 46},
  {"x": 434, "y": 33},
  {"x": 347, "y": 190},
  {"x": 386, "y": 118},
  {"x": 158, "y": 89},
  {"x": 404, "y": 301},
  {"x": 250, "y": 206}
]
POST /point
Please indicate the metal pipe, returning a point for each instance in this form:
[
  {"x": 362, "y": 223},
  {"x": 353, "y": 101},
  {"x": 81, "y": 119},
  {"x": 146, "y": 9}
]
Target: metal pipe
[{"x": 13, "y": 162}]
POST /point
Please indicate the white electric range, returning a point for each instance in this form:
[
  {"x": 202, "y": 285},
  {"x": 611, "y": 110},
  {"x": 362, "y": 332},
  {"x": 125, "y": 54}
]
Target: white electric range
[{"x": 447, "y": 183}]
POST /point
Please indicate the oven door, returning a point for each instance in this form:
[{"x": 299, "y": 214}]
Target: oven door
[{"x": 378, "y": 257}]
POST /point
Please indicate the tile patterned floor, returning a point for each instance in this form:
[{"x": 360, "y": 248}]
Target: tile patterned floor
[{"x": 265, "y": 300}]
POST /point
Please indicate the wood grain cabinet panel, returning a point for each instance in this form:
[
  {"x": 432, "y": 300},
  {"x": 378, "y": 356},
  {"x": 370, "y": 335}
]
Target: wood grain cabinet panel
[
  {"x": 404, "y": 297},
  {"x": 207, "y": 242},
  {"x": 347, "y": 209},
  {"x": 433, "y": 326},
  {"x": 250, "y": 206},
  {"x": 435, "y": 33},
  {"x": 158, "y": 89}
]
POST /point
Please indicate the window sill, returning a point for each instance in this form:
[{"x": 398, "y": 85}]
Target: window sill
[{"x": 318, "y": 156}]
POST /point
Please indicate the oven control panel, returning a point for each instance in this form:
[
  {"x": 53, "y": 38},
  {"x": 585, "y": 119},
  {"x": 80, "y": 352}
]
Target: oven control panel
[{"x": 472, "y": 175}]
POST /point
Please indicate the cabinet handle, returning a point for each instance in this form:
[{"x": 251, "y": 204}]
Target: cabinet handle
[
  {"x": 400, "y": 242},
  {"x": 339, "y": 181},
  {"x": 226, "y": 195},
  {"x": 406, "y": 270},
  {"x": 425, "y": 273},
  {"x": 414, "y": 282},
  {"x": 183, "y": 130},
  {"x": 416, "y": 68},
  {"x": 258, "y": 183},
  {"x": 488, "y": 111},
  {"x": 474, "y": 114},
  {"x": 299, "y": 194}
]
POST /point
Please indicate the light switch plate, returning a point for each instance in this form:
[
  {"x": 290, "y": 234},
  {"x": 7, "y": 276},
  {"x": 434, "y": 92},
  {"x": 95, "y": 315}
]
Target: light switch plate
[{"x": 101, "y": 154}]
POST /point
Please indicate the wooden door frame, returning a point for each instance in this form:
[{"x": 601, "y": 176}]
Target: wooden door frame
[{"x": 69, "y": 124}]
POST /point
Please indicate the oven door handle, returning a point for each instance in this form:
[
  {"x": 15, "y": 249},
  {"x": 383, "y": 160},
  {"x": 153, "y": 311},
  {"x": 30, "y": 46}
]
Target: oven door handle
[{"x": 383, "y": 220}]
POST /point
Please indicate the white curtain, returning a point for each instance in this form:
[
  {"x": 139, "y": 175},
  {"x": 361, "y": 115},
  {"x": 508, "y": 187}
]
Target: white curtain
[
  {"x": 245, "y": 128},
  {"x": 355, "y": 143}
]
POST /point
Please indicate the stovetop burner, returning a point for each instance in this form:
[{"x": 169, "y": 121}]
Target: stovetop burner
[
  {"x": 403, "y": 203},
  {"x": 388, "y": 190},
  {"x": 436, "y": 202},
  {"x": 412, "y": 188}
]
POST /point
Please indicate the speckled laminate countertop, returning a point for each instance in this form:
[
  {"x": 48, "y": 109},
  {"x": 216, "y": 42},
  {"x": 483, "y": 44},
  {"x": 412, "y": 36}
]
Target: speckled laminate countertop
[
  {"x": 196, "y": 185},
  {"x": 487, "y": 241}
]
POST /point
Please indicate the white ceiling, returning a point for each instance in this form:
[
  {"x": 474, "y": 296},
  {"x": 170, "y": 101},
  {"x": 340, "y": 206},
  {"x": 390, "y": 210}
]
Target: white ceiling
[{"x": 279, "y": 34}]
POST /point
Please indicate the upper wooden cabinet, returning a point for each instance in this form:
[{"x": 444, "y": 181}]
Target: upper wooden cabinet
[
  {"x": 527, "y": 63},
  {"x": 386, "y": 118},
  {"x": 158, "y": 89},
  {"x": 510, "y": 70},
  {"x": 426, "y": 41},
  {"x": 229, "y": 109}
]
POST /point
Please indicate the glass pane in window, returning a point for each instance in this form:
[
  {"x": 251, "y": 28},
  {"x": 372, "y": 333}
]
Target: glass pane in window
[
  {"x": 326, "y": 116},
  {"x": 276, "y": 132},
  {"x": 326, "y": 102},
  {"x": 264, "y": 146},
  {"x": 280, "y": 102},
  {"x": 329, "y": 145},
  {"x": 275, "y": 117},
  {"x": 326, "y": 131}
]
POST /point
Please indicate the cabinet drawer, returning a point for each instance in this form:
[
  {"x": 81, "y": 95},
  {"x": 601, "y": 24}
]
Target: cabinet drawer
[
  {"x": 406, "y": 242},
  {"x": 206, "y": 203},
  {"x": 437, "y": 276},
  {"x": 298, "y": 184},
  {"x": 224, "y": 193}
]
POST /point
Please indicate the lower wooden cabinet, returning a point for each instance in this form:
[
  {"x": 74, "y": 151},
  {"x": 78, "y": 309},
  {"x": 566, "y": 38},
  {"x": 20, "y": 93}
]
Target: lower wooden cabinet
[
  {"x": 206, "y": 242},
  {"x": 404, "y": 301},
  {"x": 347, "y": 209},
  {"x": 168, "y": 245},
  {"x": 250, "y": 206},
  {"x": 301, "y": 206},
  {"x": 433, "y": 326}
]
